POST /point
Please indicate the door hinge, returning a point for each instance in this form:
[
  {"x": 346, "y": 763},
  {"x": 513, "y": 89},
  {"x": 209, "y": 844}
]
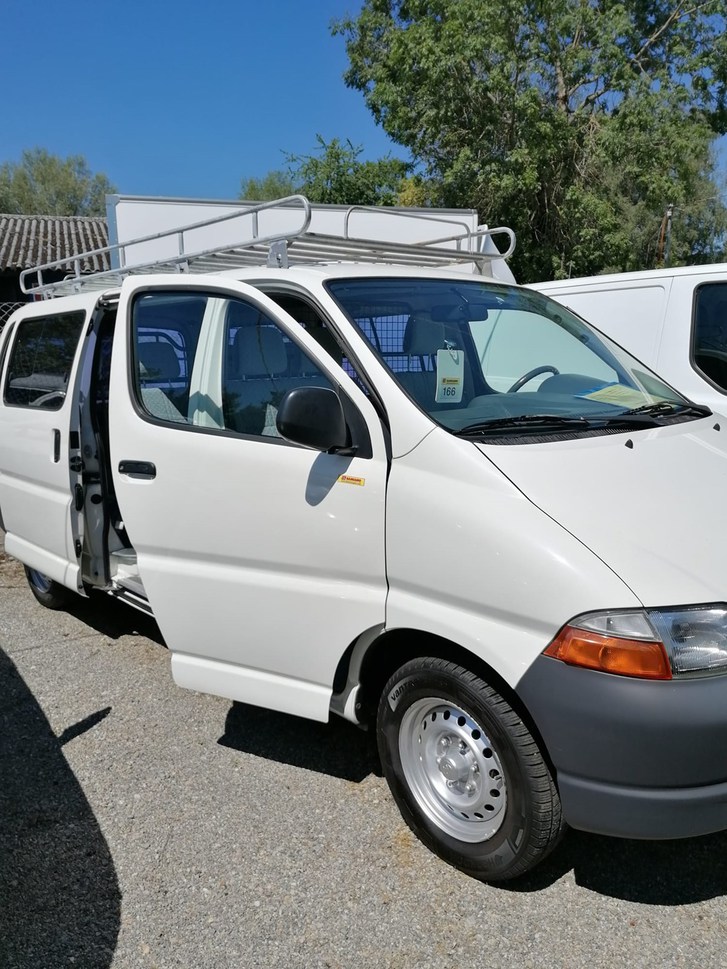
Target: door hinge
[{"x": 78, "y": 548}]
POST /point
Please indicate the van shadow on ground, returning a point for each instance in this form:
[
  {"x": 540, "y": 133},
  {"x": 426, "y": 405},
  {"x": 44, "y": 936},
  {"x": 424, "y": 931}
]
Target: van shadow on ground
[
  {"x": 648, "y": 872},
  {"x": 679, "y": 872},
  {"x": 114, "y": 619},
  {"x": 338, "y": 748},
  {"x": 60, "y": 901}
]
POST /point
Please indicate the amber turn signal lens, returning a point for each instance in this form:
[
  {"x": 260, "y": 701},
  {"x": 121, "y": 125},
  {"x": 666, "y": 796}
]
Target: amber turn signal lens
[{"x": 610, "y": 654}]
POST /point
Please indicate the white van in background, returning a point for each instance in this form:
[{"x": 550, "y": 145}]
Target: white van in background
[{"x": 674, "y": 320}]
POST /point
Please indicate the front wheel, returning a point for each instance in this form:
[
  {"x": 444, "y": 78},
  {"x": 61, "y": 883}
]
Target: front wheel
[
  {"x": 50, "y": 594},
  {"x": 466, "y": 772}
]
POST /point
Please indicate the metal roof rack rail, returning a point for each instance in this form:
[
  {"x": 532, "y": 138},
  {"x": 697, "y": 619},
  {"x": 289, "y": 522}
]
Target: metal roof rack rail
[{"x": 291, "y": 243}]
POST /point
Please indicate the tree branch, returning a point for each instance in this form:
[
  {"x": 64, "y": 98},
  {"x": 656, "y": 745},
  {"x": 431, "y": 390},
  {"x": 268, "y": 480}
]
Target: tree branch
[{"x": 675, "y": 15}]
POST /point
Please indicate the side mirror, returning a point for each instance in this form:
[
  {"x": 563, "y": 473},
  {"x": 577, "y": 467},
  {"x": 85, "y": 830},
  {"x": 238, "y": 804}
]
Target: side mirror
[{"x": 313, "y": 417}]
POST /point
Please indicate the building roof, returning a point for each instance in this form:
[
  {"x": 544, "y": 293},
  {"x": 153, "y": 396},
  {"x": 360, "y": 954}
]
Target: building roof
[{"x": 33, "y": 240}]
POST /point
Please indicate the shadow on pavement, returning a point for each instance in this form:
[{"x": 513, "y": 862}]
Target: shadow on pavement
[
  {"x": 338, "y": 748},
  {"x": 114, "y": 619},
  {"x": 650, "y": 872},
  {"x": 60, "y": 901}
]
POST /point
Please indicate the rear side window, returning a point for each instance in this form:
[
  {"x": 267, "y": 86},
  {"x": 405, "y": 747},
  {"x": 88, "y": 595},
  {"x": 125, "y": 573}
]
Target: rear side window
[
  {"x": 41, "y": 360},
  {"x": 710, "y": 333}
]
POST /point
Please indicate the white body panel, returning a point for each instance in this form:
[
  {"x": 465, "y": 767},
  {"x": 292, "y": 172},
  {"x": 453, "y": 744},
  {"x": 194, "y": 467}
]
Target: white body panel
[
  {"x": 36, "y": 482},
  {"x": 253, "y": 553},
  {"x": 650, "y": 314},
  {"x": 642, "y": 509},
  {"x": 234, "y": 681},
  {"x": 472, "y": 560}
]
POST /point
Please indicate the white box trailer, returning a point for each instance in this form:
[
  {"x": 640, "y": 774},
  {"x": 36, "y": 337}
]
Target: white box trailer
[{"x": 209, "y": 224}]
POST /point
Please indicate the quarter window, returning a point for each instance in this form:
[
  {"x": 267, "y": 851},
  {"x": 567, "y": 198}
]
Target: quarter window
[{"x": 41, "y": 360}]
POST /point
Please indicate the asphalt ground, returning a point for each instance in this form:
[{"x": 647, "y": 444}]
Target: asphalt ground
[{"x": 146, "y": 826}]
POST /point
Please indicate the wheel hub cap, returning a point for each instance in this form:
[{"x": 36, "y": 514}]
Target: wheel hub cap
[{"x": 452, "y": 769}]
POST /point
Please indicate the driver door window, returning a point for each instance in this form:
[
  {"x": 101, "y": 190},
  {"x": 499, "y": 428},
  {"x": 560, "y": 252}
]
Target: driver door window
[
  {"x": 213, "y": 363},
  {"x": 261, "y": 363}
]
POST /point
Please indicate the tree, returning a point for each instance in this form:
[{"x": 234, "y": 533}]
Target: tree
[
  {"x": 577, "y": 123},
  {"x": 274, "y": 185},
  {"x": 334, "y": 175},
  {"x": 44, "y": 184}
]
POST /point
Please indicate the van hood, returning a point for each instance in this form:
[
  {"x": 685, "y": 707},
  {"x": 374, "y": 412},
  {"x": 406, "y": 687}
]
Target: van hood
[{"x": 651, "y": 504}]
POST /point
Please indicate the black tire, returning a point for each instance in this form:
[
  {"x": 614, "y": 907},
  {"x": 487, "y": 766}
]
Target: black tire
[
  {"x": 475, "y": 789},
  {"x": 48, "y": 593}
]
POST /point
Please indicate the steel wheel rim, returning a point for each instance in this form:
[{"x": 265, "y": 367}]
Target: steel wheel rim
[
  {"x": 39, "y": 581},
  {"x": 452, "y": 770}
]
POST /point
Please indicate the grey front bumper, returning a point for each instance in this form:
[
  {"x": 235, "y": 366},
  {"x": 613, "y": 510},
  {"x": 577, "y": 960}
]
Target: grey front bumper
[{"x": 634, "y": 758}]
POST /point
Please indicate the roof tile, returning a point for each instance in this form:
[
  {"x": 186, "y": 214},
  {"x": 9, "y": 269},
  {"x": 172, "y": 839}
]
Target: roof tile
[{"x": 31, "y": 240}]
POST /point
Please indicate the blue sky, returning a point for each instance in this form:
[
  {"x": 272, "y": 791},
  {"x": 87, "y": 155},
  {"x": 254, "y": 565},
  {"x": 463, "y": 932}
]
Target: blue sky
[{"x": 179, "y": 98}]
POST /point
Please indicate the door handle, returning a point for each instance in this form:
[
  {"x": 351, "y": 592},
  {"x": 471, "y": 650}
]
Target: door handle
[{"x": 138, "y": 469}]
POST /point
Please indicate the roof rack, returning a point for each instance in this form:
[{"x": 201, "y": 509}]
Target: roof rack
[{"x": 281, "y": 245}]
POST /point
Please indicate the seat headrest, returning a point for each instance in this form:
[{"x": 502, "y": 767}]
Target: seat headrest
[
  {"x": 423, "y": 335},
  {"x": 158, "y": 361},
  {"x": 260, "y": 351}
]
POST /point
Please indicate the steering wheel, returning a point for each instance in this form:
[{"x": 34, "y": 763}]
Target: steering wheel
[
  {"x": 48, "y": 398},
  {"x": 535, "y": 372}
]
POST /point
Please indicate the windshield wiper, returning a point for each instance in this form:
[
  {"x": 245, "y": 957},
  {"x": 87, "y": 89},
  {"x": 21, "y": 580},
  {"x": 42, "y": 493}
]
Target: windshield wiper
[
  {"x": 667, "y": 407},
  {"x": 638, "y": 417},
  {"x": 527, "y": 421}
]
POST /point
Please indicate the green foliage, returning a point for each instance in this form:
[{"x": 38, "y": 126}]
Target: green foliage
[
  {"x": 44, "y": 184},
  {"x": 274, "y": 185},
  {"x": 334, "y": 175},
  {"x": 576, "y": 123},
  {"x": 416, "y": 192}
]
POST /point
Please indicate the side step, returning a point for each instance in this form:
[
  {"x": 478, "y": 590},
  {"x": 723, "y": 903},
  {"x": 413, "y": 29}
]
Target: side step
[
  {"x": 125, "y": 572},
  {"x": 132, "y": 600}
]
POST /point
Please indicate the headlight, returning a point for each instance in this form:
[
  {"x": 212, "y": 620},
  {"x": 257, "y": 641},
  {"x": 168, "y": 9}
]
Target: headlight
[
  {"x": 695, "y": 638},
  {"x": 653, "y": 643}
]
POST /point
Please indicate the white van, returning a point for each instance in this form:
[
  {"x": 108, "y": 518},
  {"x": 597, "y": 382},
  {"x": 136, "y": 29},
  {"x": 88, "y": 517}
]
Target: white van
[
  {"x": 675, "y": 320},
  {"x": 416, "y": 498}
]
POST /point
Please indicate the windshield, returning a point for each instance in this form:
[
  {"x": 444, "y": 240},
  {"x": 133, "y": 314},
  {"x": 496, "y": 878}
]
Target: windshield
[{"x": 481, "y": 358}]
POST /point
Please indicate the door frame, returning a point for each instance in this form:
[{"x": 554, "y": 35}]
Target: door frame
[{"x": 42, "y": 466}]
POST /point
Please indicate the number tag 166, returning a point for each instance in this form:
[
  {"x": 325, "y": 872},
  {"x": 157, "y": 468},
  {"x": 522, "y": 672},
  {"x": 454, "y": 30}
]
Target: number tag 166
[{"x": 450, "y": 376}]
